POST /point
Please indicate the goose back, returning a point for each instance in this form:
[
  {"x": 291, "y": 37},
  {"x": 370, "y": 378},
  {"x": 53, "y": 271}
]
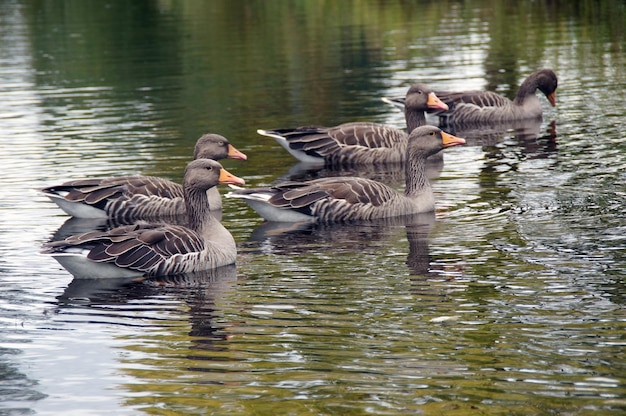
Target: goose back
[
  {"x": 358, "y": 143},
  {"x": 475, "y": 106},
  {"x": 153, "y": 249},
  {"x": 130, "y": 198},
  {"x": 345, "y": 199}
]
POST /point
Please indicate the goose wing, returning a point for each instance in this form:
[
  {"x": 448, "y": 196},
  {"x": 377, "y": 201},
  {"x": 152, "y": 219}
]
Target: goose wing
[
  {"x": 149, "y": 248},
  {"x": 152, "y": 185},
  {"x": 126, "y": 198},
  {"x": 333, "y": 199},
  {"x": 324, "y": 141},
  {"x": 476, "y": 97},
  {"x": 98, "y": 190},
  {"x": 367, "y": 135}
]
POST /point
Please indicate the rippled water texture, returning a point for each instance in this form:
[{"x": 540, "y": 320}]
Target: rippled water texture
[{"x": 509, "y": 299}]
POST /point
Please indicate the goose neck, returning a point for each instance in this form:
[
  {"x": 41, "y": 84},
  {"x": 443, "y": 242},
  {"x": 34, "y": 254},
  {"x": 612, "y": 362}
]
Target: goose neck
[
  {"x": 528, "y": 88},
  {"x": 198, "y": 209},
  {"x": 415, "y": 171},
  {"x": 414, "y": 119}
]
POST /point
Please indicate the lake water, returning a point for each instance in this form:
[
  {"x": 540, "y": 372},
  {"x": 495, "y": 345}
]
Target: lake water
[{"x": 509, "y": 299}]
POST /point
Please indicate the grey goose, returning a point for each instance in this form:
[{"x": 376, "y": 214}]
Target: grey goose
[
  {"x": 155, "y": 249},
  {"x": 344, "y": 199},
  {"x": 131, "y": 198},
  {"x": 477, "y": 106},
  {"x": 358, "y": 143}
]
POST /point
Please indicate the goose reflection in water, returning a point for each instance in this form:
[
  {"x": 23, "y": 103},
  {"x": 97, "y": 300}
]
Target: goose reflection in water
[
  {"x": 200, "y": 291},
  {"x": 292, "y": 239},
  {"x": 522, "y": 131},
  {"x": 124, "y": 289}
]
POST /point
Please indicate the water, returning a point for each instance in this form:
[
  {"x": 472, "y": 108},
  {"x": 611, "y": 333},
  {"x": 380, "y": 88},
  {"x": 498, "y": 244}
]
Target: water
[{"x": 509, "y": 299}]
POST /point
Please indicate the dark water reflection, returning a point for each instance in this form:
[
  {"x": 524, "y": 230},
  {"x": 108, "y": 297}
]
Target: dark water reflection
[
  {"x": 509, "y": 299},
  {"x": 299, "y": 239}
]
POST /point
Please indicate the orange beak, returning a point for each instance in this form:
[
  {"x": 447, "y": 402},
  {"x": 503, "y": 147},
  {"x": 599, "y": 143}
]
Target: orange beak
[
  {"x": 233, "y": 153},
  {"x": 450, "y": 140},
  {"x": 552, "y": 98},
  {"x": 434, "y": 103},
  {"x": 227, "y": 178}
]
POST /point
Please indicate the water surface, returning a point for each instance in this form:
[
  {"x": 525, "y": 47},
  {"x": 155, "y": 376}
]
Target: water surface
[{"x": 509, "y": 299}]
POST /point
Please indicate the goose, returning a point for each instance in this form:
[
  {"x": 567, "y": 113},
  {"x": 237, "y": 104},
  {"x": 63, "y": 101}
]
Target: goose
[
  {"x": 358, "y": 143},
  {"x": 130, "y": 198},
  {"x": 345, "y": 199},
  {"x": 155, "y": 249},
  {"x": 475, "y": 106}
]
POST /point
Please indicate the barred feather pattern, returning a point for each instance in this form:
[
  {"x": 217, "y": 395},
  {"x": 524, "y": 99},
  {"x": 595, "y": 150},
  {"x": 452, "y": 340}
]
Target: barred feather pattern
[
  {"x": 130, "y": 198},
  {"x": 488, "y": 107},
  {"x": 131, "y": 208},
  {"x": 346, "y": 199},
  {"x": 353, "y": 143},
  {"x": 362, "y": 200},
  {"x": 160, "y": 248},
  {"x": 473, "y": 107},
  {"x": 154, "y": 249},
  {"x": 360, "y": 143}
]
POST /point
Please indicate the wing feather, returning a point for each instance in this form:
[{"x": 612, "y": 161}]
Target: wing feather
[
  {"x": 476, "y": 97},
  {"x": 143, "y": 247},
  {"x": 351, "y": 191},
  {"x": 98, "y": 190}
]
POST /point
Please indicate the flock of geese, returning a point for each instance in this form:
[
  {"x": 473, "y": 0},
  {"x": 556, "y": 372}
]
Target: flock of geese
[{"x": 172, "y": 229}]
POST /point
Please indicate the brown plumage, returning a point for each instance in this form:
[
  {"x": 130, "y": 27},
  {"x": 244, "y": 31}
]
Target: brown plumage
[
  {"x": 476, "y": 106},
  {"x": 154, "y": 249},
  {"x": 129, "y": 198},
  {"x": 342, "y": 199},
  {"x": 358, "y": 143},
  {"x": 485, "y": 106}
]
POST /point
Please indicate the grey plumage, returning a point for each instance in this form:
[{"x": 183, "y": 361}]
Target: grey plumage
[
  {"x": 153, "y": 249},
  {"x": 358, "y": 143},
  {"x": 130, "y": 198},
  {"x": 342, "y": 199},
  {"x": 486, "y": 106},
  {"x": 475, "y": 106}
]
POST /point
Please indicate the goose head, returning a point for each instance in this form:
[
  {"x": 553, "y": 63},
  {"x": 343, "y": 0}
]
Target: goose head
[
  {"x": 547, "y": 83},
  {"x": 216, "y": 147},
  {"x": 429, "y": 140},
  {"x": 203, "y": 174},
  {"x": 421, "y": 98}
]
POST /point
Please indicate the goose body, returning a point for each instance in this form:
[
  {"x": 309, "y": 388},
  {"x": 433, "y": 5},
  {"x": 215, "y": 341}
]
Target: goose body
[
  {"x": 476, "y": 106},
  {"x": 154, "y": 249},
  {"x": 358, "y": 143},
  {"x": 344, "y": 199},
  {"x": 130, "y": 198}
]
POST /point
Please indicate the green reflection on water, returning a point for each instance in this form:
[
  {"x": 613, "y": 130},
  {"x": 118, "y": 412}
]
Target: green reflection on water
[{"x": 489, "y": 326}]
